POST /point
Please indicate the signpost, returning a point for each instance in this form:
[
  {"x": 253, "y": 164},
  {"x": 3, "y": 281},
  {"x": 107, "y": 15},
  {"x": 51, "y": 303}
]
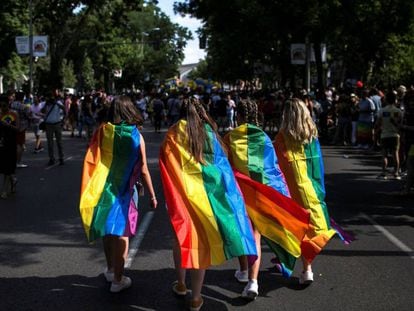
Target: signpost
[
  {"x": 35, "y": 46},
  {"x": 304, "y": 54}
]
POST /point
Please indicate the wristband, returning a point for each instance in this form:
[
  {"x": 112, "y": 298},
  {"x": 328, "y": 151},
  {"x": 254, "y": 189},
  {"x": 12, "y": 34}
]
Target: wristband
[{"x": 153, "y": 199}]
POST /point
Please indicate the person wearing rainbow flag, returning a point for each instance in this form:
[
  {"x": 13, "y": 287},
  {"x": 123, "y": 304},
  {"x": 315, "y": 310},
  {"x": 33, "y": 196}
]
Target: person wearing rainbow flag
[
  {"x": 205, "y": 205},
  {"x": 114, "y": 162},
  {"x": 276, "y": 217},
  {"x": 300, "y": 159}
]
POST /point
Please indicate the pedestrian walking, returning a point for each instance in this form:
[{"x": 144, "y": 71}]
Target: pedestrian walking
[
  {"x": 9, "y": 126},
  {"x": 388, "y": 125},
  {"x": 230, "y": 112},
  {"x": 114, "y": 162},
  {"x": 24, "y": 120},
  {"x": 87, "y": 118},
  {"x": 300, "y": 159},
  {"x": 54, "y": 116},
  {"x": 205, "y": 206},
  {"x": 158, "y": 112},
  {"x": 276, "y": 217},
  {"x": 365, "y": 125},
  {"x": 36, "y": 117},
  {"x": 408, "y": 135}
]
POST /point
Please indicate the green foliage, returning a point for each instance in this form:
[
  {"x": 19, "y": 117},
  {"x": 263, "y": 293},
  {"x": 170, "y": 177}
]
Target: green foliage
[
  {"x": 14, "y": 17},
  {"x": 102, "y": 35},
  {"x": 15, "y": 71},
  {"x": 87, "y": 75},
  {"x": 202, "y": 70},
  {"x": 68, "y": 74},
  {"x": 245, "y": 34}
]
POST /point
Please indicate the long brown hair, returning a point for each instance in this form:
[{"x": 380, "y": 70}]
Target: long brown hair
[
  {"x": 193, "y": 111},
  {"x": 123, "y": 110}
]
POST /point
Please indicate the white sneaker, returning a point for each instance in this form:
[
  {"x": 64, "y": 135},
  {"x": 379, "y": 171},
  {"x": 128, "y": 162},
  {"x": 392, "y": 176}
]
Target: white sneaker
[
  {"x": 21, "y": 165},
  {"x": 242, "y": 276},
  {"x": 251, "y": 291},
  {"x": 306, "y": 277},
  {"x": 124, "y": 284},
  {"x": 109, "y": 275}
]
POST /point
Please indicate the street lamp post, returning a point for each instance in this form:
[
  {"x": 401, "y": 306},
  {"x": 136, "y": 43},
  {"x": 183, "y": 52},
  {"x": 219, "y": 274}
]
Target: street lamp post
[
  {"x": 142, "y": 51},
  {"x": 31, "y": 46}
]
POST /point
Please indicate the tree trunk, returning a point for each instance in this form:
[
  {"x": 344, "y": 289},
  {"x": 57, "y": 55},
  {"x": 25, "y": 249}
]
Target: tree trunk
[{"x": 319, "y": 64}]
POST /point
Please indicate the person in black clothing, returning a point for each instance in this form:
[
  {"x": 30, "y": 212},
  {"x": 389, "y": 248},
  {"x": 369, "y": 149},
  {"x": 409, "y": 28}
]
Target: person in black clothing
[
  {"x": 158, "y": 110},
  {"x": 9, "y": 124}
]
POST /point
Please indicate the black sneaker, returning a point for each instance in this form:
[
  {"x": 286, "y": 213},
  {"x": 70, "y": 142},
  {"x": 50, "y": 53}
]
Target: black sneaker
[
  {"x": 61, "y": 162},
  {"x": 51, "y": 162}
]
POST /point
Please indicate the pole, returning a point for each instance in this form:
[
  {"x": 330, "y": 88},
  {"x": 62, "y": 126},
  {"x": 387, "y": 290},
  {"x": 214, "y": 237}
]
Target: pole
[
  {"x": 31, "y": 46},
  {"x": 308, "y": 60}
]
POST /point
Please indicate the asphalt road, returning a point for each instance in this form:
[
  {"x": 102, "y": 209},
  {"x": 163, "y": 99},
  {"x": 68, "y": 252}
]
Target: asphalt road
[{"x": 47, "y": 264}]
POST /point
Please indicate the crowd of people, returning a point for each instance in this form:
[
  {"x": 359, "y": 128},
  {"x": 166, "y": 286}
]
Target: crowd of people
[
  {"x": 364, "y": 118},
  {"x": 206, "y": 152}
]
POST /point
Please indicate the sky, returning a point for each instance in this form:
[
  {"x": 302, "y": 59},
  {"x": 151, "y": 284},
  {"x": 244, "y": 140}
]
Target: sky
[{"x": 192, "y": 53}]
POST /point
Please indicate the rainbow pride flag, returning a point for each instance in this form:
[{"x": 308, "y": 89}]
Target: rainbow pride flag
[
  {"x": 303, "y": 168},
  {"x": 204, "y": 202},
  {"x": 110, "y": 169},
  {"x": 279, "y": 219}
]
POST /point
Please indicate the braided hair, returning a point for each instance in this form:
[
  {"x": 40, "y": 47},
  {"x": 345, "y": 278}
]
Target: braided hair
[{"x": 248, "y": 111}]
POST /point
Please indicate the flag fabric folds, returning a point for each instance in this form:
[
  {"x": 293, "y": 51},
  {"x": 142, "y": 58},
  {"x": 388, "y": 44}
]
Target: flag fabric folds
[
  {"x": 204, "y": 203},
  {"x": 111, "y": 167},
  {"x": 278, "y": 218},
  {"x": 303, "y": 168}
]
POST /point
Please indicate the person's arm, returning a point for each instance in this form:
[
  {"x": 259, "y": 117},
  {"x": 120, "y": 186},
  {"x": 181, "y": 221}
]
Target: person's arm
[{"x": 146, "y": 176}]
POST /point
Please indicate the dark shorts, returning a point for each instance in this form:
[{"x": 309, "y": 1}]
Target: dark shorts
[
  {"x": 390, "y": 144},
  {"x": 21, "y": 138}
]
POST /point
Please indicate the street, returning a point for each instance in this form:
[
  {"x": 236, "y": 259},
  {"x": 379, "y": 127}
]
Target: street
[{"x": 46, "y": 262}]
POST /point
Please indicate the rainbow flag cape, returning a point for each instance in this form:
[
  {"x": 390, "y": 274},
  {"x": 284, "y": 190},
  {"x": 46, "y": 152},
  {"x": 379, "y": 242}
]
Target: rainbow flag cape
[
  {"x": 303, "y": 168},
  {"x": 279, "y": 219},
  {"x": 205, "y": 205},
  {"x": 110, "y": 169}
]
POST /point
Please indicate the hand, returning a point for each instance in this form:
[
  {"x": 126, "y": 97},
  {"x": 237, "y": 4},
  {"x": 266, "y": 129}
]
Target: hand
[{"x": 153, "y": 202}]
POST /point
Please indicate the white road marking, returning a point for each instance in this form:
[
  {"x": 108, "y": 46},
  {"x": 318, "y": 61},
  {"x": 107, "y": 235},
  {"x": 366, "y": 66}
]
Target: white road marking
[
  {"x": 394, "y": 240},
  {"x": 136, "y": 241},
  {"x": 57, "y": 163}
]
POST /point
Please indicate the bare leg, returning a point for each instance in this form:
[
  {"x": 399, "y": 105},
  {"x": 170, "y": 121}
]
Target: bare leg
[
  {"x": 120, "y": 253},
  {"x": 396, "y": 162},
  {"x": 38, "y": 143},
  {"x": 384, "y": 161},
  {"x": 243, "y": 263},
  {"x": 254, "y": 270},
  {"x": 177, "y": 263},
  {"x": 197, "y": 278},
  {"x": 108, "y": 253},
  {"x": 306, "y": 265}
]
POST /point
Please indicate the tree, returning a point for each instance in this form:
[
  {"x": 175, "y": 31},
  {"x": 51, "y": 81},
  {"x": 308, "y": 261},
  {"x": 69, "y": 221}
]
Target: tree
[
  {"x": 68, "y": 74},
  {"x": 14, "y": 72},
  {"x": 87, "y": 75},
  {"x": 242, "y": 34}
]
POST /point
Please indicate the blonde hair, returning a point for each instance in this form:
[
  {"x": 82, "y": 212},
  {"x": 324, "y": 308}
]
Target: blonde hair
[{"x": 297, "y": 121}]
